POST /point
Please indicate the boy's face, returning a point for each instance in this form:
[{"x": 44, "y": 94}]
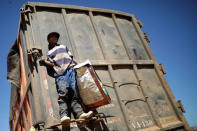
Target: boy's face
[{"x": 53, "y": 40}]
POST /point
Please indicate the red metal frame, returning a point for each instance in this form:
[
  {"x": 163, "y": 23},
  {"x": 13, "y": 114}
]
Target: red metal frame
[{"x": 23, "y": 110}]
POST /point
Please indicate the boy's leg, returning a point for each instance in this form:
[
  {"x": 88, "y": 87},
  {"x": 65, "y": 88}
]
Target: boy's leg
[
  {"x": 62, "y": 86},
  {"x": 75, "y": 105},
  {"x": 72, "y": 81}
]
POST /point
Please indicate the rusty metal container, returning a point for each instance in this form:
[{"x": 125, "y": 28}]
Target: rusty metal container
[{"x": 120, "y": 54}]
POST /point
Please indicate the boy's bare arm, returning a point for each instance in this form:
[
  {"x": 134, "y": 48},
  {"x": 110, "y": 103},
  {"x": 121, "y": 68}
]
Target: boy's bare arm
[
  {"x": 48, "y": 63},
  {"x": 74, "y": 60}
]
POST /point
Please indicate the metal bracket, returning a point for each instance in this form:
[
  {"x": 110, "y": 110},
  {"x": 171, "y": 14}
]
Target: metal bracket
[
  {"x": 139, "y": 84},
  {"x": 161, "y": 68},
  {"x": 34, "y": 54},
  {"x": 139, "y": 23},
  {"x": 146, "y": 37},
  {"x": 132, "y": 100},
  {"x": 100, "y": 116},
  {"x": 26, "y": 9},
  {"x": 39, "y": 125},
  {"x": 180, "y": 106}
]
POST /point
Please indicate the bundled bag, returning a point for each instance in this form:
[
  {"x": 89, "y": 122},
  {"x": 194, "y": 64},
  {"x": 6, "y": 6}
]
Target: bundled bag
[{"x": 91, "y": 90}]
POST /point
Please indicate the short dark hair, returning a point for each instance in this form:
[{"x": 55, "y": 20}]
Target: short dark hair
[{"x": 53, "y": 33}]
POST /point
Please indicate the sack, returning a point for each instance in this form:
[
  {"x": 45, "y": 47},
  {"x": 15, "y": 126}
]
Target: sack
[{"x": 91, "y": 90}]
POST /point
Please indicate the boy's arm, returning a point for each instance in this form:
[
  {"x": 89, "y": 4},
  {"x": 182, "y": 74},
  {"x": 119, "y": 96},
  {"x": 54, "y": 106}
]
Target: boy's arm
[
  {"x": 70, "y": 54},
  {"x": 74, "y": 60},
  {"x": 48, "y": 63}
]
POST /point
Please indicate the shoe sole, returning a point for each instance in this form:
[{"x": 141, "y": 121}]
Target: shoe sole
[
  {"x": 87, "y": 117},
  {"x": 65, "y": 121},
  {"x": 90, "y": 115}
]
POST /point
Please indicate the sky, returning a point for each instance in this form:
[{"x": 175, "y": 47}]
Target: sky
[{"x": 171, "y": 26}]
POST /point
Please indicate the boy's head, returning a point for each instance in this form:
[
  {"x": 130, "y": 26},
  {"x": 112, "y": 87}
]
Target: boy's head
[{"x": 53, "y": 38}]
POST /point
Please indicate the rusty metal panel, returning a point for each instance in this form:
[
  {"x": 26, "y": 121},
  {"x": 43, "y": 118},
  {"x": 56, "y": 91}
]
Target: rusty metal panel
[
  {"x": 36, "y": 97},
  {"x": 129, "y": 34},
  {"x": 24, "y": 48},
  {"x": 113, "y": 42},
  {"x": 156, "y": 96},
  {"x": 115, "y": 121},
  {"x": 83, "y": 36},
  {"x": 132, "y": 98}
]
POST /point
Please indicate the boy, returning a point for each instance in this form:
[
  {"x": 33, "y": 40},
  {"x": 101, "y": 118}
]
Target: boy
[{"x": 61, "y": 59}]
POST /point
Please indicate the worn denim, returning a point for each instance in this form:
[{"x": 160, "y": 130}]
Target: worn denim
[{"x": 68, "y": 97}]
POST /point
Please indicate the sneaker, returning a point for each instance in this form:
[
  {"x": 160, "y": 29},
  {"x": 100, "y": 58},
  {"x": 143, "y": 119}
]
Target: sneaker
[
  {"x": 65, "y": 119},
  {"x": 86, "y": 115}
]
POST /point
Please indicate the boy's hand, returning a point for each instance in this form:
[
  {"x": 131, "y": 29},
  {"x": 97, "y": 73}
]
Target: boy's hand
[{"x": 42, "y": 62}]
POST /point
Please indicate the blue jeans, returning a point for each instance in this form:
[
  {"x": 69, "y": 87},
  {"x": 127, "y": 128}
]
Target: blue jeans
[{"x": 68, "y": 98}]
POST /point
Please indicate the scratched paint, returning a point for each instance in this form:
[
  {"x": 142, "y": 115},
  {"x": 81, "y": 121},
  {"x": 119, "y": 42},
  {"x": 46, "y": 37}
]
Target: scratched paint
[{"x": 44, "y": 76}]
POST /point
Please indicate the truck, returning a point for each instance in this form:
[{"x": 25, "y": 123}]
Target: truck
[{"x": 141, "y": 99}]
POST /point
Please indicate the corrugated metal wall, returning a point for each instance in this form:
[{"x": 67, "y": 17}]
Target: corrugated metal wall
[{"x": 114, "y": 43}]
